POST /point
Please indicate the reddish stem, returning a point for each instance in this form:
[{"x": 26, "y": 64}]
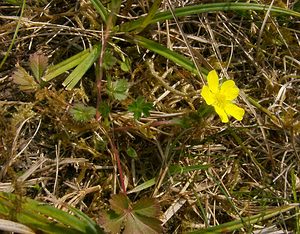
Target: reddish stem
[{"x": 117, "y": 158}]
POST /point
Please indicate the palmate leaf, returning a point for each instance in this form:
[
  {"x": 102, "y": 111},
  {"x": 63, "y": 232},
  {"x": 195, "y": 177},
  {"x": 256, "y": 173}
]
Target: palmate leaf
[
  {"x": 140, "y": 108},
  {"x": 137, "y": 218},
  {"x": 139, "y": 224},
  {"x": 82, "y": 113}
]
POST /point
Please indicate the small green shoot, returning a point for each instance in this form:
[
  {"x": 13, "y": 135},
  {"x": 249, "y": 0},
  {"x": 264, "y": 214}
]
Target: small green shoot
[
  {"x": 140, "y": 108},
  {"x": 125, "y": 65},
  {"x": 131, "y": 152}
]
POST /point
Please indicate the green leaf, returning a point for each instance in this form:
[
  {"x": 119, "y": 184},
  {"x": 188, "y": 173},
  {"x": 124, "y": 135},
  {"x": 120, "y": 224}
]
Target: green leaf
[
  {"x": 60, "y": 68},
  {"x": 177, "y": 169},
  {"x": 82, "y": 113},
  {"x": 38, "y": 63},
  {"x": 147, "y": 20},
  {"x": 131, "y": 152},
  {"x": 119, "y": 203},
  {"x": 82, "y": 68},
  {"x": 126, "y": 65},
  {"x": 140, "y": 108},
  {"x": 25, "y": 81},
  {"x": 145, "y": 185},
  {"x": 114, "y": 7},
  {"x": 118, "y": 89}
]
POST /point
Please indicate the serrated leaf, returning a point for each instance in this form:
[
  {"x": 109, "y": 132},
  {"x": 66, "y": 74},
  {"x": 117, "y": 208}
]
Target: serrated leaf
[
  {"x": 140, "y": 108},
  {"x": 25, "y": 81},
  {"x": 118, "y": 89},
  {"x": 139, "y": 224},
  {"x": 147, "y": 207},
  {"x": 137, "y": 218},
  {"x": 119, "y": 203},
  {"x": 38, "y": 63},
  {"x": 111, "y": 221},
  {"x": 82, "y": 113}
]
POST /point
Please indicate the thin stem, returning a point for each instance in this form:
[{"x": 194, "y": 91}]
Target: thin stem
[{"x": 117, "y": 158}]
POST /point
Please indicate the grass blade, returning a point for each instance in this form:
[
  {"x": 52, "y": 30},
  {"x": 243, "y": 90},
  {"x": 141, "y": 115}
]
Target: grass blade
[
  {"x": 15, "y": 34},
  {"x": 211, "y": 7},
  {"x": 102, "y": 11},
  {"x": 82, "y": 68},
  {"x": 150, "y": 15},
  {"x": 143, "y": 186},
  {"x": 237, "y": 224},
  {"x": 91, "y": 226},
  {"x": 36, "y": 215},
  {"x": 60, "y": 68},
  {"x": 177, "y": 169},
  {"x": 167, "y": 53}
]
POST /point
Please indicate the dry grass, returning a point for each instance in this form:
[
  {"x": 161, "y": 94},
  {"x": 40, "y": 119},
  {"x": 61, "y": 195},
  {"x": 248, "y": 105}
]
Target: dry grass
[{"x": 48, "y": 156}]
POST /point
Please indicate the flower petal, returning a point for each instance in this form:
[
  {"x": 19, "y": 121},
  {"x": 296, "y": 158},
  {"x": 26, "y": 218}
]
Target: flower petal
[
  {"x": 229, "y": 90},
  {"x": 213, "y": 81},
  {"x": 221, "y": 112},
  {"x": 207, "y": 95},
  {"x": 235, "y": 111}
]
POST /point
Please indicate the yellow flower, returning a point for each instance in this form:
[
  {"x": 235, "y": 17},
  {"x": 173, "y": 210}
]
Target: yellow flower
[{"x": 221, "y": 97}]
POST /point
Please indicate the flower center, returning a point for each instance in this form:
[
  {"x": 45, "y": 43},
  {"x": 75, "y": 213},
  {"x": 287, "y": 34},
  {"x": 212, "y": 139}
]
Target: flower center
[{"x": 220, "y": 100}]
